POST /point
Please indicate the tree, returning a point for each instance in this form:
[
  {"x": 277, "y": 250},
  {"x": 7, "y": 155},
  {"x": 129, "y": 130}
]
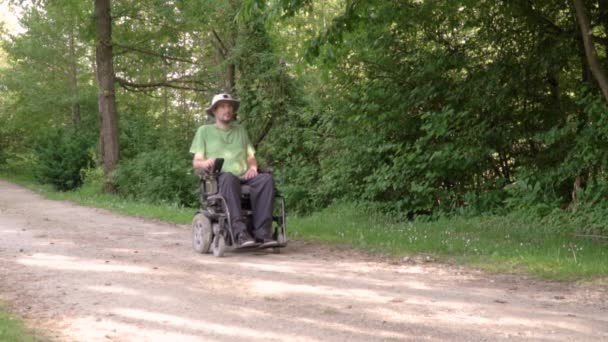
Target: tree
[
  {"x": 48, "y": 77},
  {"x": 590, "y": 51},
  {"x": 106, "y": 78},
  {"x": 410, "y": 105}
]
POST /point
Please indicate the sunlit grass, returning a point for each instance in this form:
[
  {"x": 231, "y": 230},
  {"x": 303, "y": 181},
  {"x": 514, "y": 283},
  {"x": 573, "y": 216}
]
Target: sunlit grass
[
  {"x": 494, "y": 243},
  {"x": 12, "y": 329}
]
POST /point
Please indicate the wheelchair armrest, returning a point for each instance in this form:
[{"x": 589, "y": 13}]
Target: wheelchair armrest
[
  {"x": 200, "y": 172},
  {"x": 265, "y": 170}
]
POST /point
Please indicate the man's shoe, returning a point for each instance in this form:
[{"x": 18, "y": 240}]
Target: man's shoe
[
  {"x": 243, "y": 239},
  {"x": 267, "y": 243}
]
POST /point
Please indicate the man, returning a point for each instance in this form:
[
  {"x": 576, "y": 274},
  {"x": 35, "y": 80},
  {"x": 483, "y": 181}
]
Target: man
[{"x": 229, "y": 140}]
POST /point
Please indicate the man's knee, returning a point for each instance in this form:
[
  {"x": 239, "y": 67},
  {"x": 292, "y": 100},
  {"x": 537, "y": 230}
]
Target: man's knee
[{"x": 265, "y": 178}]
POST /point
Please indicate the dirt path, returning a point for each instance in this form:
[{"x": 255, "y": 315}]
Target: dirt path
[{"x": 85, "y": 274}]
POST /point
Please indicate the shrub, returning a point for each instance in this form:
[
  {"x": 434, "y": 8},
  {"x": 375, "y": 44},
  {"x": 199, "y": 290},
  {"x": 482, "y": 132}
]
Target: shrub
[
  {"x": 158, "y": 176},
  {"x": 534, "y": 198},
  {"x": 60, "y": 156}
]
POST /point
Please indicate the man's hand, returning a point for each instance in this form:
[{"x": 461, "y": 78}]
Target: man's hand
[
  {"x": 207, "y": 164},
  {"x": 199, "y": 162},
  {"x": 251, "y": 172}
]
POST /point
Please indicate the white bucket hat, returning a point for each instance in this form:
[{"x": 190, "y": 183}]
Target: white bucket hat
[{"x": 222, "y": 97}]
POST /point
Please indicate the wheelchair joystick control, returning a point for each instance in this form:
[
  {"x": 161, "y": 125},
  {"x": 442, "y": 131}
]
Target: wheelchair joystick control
[{"x": 217, "y": 166}]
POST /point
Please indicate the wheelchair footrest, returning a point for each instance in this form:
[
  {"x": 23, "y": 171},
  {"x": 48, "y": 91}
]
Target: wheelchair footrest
[
  {"x": 278, "y": 245},
  {"x": 255, "y": 245}
]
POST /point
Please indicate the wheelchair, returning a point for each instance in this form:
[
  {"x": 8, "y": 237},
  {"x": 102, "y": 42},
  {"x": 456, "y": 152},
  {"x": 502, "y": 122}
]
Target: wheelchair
[{"x": 211, "y": 226}]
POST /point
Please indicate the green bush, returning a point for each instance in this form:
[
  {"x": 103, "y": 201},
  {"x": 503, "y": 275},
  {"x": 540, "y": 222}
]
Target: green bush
[
  {"x": 60, "y": 157},
  {"x": 590, "y": 213},
  {"x": 161, "y": 176},
  {"x": 532, "y": 198}
]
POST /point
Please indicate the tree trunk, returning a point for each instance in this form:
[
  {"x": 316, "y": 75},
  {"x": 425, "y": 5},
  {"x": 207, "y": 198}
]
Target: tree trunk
[
  {"x": 585, "y": 69},
  {"x": 165, "y": 120},
  {"x": 590, "y": 52},
  {"x": 107, "y": 97},
  {"x": 323, "y": 15},
  {"x": 230, "y": 85},
  {"x": 73, "y": 77},
  {"x": 165, "y": 96},
  {"x": 553, "y": 82}
]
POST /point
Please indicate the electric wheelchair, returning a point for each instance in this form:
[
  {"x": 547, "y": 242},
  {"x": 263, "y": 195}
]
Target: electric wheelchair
[{"x": 211, "y": 226}]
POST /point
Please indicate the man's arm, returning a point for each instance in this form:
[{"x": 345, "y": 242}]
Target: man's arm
[
  {"x": 252, "y": 167},
  {"x": 199, "y": 162}
]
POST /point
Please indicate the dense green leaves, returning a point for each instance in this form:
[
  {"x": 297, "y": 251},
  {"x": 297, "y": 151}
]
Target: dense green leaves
[
  {"x": 61, "y": 157},
  {"x": 440, "y": 105},
  {"x": 412, "y": 106},
  {"x": 158, "y": 176}
]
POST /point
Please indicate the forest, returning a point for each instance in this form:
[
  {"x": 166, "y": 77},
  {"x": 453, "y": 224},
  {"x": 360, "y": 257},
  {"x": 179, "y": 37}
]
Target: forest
[{"x": 414, "y": 108}]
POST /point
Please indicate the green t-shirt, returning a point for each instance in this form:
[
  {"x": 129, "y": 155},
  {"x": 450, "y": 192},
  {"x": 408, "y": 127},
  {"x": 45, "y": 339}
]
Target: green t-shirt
[{"x": 232, "y": 144}]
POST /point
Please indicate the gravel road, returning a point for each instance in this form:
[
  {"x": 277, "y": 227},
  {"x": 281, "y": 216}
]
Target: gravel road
[{"x": 85, "y": 274}]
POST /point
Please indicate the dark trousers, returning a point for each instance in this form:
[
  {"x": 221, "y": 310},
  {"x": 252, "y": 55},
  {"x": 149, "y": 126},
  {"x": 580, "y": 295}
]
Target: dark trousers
[{"x": 261, "y": 194}]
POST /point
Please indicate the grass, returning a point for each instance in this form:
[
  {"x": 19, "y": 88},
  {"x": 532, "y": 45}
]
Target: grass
[
  {"x": 12, "y": 329},
  {"x": 495, "y": 243}
]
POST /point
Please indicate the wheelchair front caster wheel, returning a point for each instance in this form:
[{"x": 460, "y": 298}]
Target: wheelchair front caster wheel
[
  {"x": 219, "y": 245},
  {"x": 201, "y": 233}
]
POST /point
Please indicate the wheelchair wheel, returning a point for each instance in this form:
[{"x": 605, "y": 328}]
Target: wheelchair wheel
[
  {"x": 201, "y": 233},
  {"x": 219, "y": 245}
]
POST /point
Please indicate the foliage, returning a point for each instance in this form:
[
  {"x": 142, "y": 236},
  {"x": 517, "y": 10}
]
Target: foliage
[
  {"x": 431, "y": 110},
  {"x": 38, "y": 93},
  {"x": 413, "y": 107},
  {"x": 160, "y": 176},
  {"x": 13, "y": 329},
  {"x": 60, "y": 158},
  {"x": 591, "y": 211}
]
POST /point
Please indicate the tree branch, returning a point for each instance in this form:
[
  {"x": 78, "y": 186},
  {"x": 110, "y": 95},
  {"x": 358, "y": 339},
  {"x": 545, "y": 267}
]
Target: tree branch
[
  {"x": 265, "y": 130},
  {"x": 223, "y": 50},
  {"x": 592, "y": 58},
  {"x": 534, "y": 17},
  {"x": 166, "y": 58},
  {"x": 170, "y": 83}
]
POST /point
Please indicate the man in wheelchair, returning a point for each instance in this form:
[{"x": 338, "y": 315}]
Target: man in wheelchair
[{"x": 228, "y": 140}]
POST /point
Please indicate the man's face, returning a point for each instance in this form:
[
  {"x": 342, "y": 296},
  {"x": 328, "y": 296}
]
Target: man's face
[{"x": 224, "y": 112}]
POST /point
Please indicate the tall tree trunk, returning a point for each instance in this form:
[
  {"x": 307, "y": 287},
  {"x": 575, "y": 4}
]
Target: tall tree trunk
[
  {"x": 585, "y": 69},
  {"x": 107, "y": 97},
  {"x": 165, "y": 120},
  {"x": 553, "y": 82},
  {"x": 73, "y": 77},
  {"x": 223, "y": 52},
  {"x": 230, "y": 85},
  {"x": 165, "y": 95},
  {"x": 594, "y": 62},
  {"x": 323, "y": 15}
]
